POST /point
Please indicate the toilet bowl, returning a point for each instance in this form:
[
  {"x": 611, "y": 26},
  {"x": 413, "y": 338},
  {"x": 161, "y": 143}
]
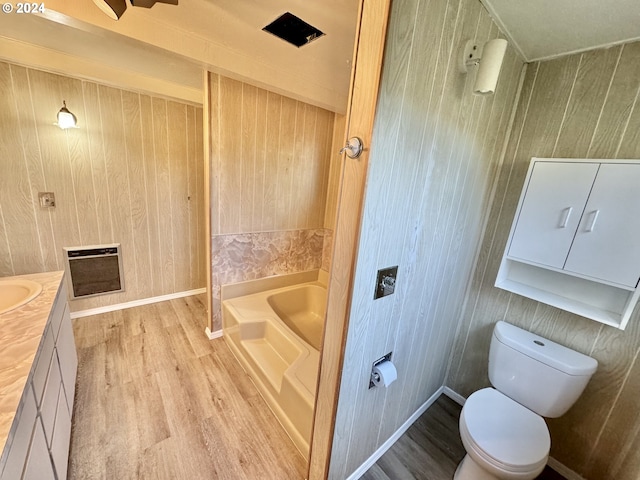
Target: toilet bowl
[
  {"x": 502, "y": 428},
  {"x": 502, "y": 438}
]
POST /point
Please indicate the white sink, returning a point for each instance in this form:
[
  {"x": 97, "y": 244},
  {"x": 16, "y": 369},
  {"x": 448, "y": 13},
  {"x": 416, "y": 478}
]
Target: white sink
[{"x": 16, "y": 292}]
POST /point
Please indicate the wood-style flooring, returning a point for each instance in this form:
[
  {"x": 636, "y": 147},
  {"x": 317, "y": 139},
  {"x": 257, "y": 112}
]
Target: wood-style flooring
[
  {"x": 157, "y": 400},
  {"x": 431, "y": 449}
]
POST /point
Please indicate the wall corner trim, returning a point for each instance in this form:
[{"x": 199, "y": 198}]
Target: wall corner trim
[
  {"x": 211, "y": 335},
  {"x": 394, "y": 438}
]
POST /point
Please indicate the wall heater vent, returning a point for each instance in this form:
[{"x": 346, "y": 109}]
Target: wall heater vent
[{"x": 94, "y": 270}]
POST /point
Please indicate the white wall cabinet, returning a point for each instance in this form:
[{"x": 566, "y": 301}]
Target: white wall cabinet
[
  {"x": 574, "y": 239},
  {"x": 39, "y": 449}
]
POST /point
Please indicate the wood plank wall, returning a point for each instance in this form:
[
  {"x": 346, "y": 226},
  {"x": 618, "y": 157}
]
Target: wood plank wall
[
  {"x": 270, "y": 160},
  {"x": 584, "y": 105},
  {"x": 435, "y": 151},
  {"x": 272, "y": 169},
  {"x": 131, "y": 173}
]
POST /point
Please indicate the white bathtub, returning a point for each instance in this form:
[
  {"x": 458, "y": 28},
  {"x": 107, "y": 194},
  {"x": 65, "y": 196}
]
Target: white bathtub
[{"x": 276, "y": 336}]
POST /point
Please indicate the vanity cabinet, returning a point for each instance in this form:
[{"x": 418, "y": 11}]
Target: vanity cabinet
[
  {"x": 39, "y": 446},
  {"x": 574, "y": 239}
]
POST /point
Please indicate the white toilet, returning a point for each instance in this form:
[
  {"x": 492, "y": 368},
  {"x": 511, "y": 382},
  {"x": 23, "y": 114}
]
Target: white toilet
[{"x": 502, "y": 428}]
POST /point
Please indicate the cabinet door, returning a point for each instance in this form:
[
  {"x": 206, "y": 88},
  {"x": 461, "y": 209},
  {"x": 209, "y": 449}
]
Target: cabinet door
[
  {"x": 554, "y": 200},
  {"x": 607, "y": 244},
  {"x": 38, "y": 466},
  {"x": 61, "y": 438},
  {"x": 19, "y": 446},
  {"x": 68, "y": 357}
]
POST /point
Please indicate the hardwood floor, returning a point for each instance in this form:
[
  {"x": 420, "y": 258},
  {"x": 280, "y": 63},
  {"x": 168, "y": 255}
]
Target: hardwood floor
[
  {"x": 431, "y": 449},
  {"x": 157, "y": 400}
]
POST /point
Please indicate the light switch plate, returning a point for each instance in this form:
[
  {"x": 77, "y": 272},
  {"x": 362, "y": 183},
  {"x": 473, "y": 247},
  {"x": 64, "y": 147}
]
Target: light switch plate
[{"x": 386, "y": 282}]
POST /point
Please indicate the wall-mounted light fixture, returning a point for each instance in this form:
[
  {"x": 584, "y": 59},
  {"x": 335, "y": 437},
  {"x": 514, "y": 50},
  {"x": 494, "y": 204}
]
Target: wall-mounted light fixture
[
  {"x": 66, "y": 119},
  {"x": 489, "y": 59}
]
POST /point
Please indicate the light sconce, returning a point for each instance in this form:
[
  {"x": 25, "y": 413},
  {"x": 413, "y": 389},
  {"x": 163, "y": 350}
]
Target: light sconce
[
  {"x": 66, "y": 119},
  {"x": 489, "y": 61}
]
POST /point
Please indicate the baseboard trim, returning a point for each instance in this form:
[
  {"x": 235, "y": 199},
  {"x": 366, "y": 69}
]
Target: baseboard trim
[
  {"x": 394, "y": 438},
  {"x": 211, "y": 335},
  {"x": 136, "y": 303},
  {"x": 563, "y": 470},
  {"x": 455, "y": 396}
]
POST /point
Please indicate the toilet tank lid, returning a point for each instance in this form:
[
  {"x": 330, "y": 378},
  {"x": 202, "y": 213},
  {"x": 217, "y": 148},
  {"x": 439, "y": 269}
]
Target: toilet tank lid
[{"x": 545, "y": 351}]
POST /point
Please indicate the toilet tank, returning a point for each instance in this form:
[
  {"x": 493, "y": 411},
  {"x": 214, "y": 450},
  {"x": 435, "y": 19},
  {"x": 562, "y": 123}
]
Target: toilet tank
[{"x": 542, "y": 375}]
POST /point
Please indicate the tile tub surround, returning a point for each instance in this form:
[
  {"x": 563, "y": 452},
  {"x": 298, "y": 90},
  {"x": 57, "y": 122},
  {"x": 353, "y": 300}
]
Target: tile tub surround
[
  {"x": 21, "y": 330},
  {"x": 249, "y": 256}
]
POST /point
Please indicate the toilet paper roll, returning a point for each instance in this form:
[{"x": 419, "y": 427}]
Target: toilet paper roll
[{"x": 384, "y": 374}]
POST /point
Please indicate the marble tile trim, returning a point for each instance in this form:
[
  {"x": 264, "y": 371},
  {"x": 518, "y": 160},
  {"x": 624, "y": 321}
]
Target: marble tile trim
[{"x": 248, "y": 256}]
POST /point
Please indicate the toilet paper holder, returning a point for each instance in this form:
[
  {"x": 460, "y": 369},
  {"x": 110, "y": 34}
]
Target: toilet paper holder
[{"x": 386, "y": 358}]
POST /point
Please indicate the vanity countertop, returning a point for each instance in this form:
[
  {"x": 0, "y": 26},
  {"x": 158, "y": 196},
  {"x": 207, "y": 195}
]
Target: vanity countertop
[{"x": 21, "y": 330}]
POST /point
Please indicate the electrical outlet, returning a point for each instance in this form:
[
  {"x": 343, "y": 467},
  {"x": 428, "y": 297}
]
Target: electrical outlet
[{"x": 386, "y": 282}]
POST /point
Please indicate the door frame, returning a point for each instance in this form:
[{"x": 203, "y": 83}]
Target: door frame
[{"x": 363, "y": 95}]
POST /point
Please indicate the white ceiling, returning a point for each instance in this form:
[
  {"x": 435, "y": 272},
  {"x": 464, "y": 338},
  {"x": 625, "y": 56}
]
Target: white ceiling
[
  {"x": 174, "y": 44},
  {"x": 543, "y": 29}
]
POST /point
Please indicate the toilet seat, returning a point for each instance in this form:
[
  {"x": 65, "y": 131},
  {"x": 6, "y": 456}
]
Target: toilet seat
[{"x": 502, "y": 433}]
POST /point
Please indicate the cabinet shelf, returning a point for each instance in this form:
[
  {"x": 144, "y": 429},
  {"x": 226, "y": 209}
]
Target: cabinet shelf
[{"x": 603, "y": 303}]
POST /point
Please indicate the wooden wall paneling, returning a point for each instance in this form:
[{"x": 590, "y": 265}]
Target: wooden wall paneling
[
  {"x": 581, "y": 117},
  {"x": 6, "y": 265},
  {"x": 117, "y": 182},
  {"x": 269, "y": 213},
  {"x": 452, "y": 272},
  {"x": 15, "y": 190},
  {"x": 615, "y": 454},
  {"x": 309, "y": 174},
  {"x": 193, "y": 197},
  {"x": 334, "y": 161},
  {"x": 482, "y": 300},
  {"x": 414, "y": 131},
  {"x": 298, "y": 214},
  {"x": 261, "y": 125},
  {"x": 230, "y": 152},
  {"x": 554, "y": 81},
  {"x": 178, "y": 169},
  {"x": 31, "y": 147},
  {"x": 597, "y": 444},
  {"x": 630, "y": 143},
  {"x": 287, "y": 166},
  {"x": 45, "y": 253},
  {"x": 77, "y": 147},
  {"x": 131, "y": 111},
  {"x": 248, "y": 156},
  {"x": 200, "y": 218},
  {"x": 163, "y": 190},
  {"x": 92, "y": 122},
  {"x": 152, "y": 203},
  {"x": 619, "y": 104},
  {"x": 322, "y": 155},
  {"x": 47, "y": 92},
  {"x": 213, "y": 151},
  {"x": 460, "y": 24}
]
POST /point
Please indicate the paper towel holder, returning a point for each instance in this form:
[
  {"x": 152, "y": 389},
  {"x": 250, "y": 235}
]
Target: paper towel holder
[
  {"x": 489, "y": 60},
  {"x": 386, "y": 358}
]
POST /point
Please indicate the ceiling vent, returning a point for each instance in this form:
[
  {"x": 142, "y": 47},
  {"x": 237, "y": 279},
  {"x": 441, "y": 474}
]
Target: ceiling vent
[{"x": 293, "y": 30}]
